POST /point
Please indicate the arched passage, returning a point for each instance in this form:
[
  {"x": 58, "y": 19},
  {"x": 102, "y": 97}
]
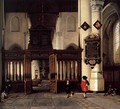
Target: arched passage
[{"x": 110, "y": 16}]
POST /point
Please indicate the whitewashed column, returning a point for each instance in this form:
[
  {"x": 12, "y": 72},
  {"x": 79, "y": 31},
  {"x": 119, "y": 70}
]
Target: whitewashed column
[
  {"x": 64, "y": 70},
  {"x": 58, "y": 38},
  {"x": 84, "y": 16},
  {"x": 22, "y": 70},
  {"x": 96, "y": 80},
  {"x": 27, "y": 33}
]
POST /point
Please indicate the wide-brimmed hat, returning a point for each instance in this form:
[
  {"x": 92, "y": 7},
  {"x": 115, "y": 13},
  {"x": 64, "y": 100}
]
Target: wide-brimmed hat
[{"x": 84, "y": 77}]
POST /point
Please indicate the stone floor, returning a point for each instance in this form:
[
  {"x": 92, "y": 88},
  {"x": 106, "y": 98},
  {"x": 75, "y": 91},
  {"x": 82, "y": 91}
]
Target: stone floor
[{"x": 60, "y": 101}]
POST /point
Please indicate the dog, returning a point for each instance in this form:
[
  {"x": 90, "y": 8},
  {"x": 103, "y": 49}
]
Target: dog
[{"x": 3, "y": 96}]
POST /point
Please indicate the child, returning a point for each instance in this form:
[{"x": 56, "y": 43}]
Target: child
[{"x": 84, "y": 85}]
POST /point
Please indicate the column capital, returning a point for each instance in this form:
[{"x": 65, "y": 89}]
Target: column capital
[{"x": 97, "y": 5}]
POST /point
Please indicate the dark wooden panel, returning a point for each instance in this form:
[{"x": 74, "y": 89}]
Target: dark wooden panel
[
  {"x": 17, "y": 86},
  {"x": 28, "y": 86},
  {"x": 112, "y": 76},
  {"x": 61, "y": 86},
  {"x": 40, "y": 38}
]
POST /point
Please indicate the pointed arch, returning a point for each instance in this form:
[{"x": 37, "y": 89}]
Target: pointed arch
[
  {"x": 71, "y": 24},
  {"x": 110, "y": 14},
  {"x": 15, "y": 24},
  {"x": 111, "y": 44}
]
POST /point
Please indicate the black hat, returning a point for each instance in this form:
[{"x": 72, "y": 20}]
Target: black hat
[{"x": 84, "y": 77}]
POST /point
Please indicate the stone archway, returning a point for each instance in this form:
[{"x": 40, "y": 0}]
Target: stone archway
[{"x": 110, "y": 15}]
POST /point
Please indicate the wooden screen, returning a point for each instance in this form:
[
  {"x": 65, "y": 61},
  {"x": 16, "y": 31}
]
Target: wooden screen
[{"x": 53, "y": 74}]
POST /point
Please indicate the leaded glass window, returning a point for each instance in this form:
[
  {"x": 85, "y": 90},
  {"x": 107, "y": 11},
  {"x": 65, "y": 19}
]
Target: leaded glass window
[{"x": 116, "y": 42}]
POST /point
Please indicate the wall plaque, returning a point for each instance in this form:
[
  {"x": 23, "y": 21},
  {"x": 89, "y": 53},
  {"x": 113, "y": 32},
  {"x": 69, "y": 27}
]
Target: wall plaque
[{"x": 92, "y": 50}]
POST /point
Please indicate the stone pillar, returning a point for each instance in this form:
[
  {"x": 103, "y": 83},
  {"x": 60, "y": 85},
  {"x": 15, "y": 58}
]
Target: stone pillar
[
  {"x": 27, "y": 33},
  {"x": 96, "y": 80},
  {"x": 1, "y": 41},
  {"x": 84, "y": 16}
]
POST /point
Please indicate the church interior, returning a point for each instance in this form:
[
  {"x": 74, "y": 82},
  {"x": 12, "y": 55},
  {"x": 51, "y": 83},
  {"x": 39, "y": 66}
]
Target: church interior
[{"x": 52, "y": 41}]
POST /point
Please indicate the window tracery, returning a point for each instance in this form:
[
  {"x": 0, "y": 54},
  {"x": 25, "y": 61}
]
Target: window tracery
[{"x": 116, "y": 42}]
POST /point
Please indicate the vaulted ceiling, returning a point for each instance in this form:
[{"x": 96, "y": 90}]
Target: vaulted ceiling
[
  {"x": 49, "y": 8},
  {"x": 42, "y": 10},
  {"x": 53, "y": 6}
]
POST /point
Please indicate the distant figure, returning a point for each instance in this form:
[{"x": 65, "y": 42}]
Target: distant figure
[
  {"x": 68, "y": 89},
  {"x": 84, "y": 85},
  {"x": 111, "y": 91},
  {"x": 8, "y": 86}
]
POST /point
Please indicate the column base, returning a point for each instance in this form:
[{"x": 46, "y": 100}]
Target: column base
[{"x": 97, "y": 83}]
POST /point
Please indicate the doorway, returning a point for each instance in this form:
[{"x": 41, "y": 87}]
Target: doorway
[{"x": 40, "y": 75}]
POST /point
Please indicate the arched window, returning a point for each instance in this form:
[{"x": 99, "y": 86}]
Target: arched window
[
  {"x": 71, "y": 24},
  {"x": 116, "y": 42},
  {"x": 15, "y": 24}
]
